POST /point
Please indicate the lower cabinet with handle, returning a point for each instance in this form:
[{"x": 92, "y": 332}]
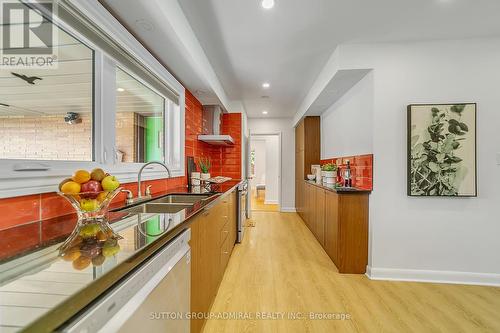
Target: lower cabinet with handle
[
  {"x": 213, "y": 235},
  {"x": 339, "y": 221}
]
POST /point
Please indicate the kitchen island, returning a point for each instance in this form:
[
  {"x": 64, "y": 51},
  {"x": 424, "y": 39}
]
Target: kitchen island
[{"x": 40, "y": 291}]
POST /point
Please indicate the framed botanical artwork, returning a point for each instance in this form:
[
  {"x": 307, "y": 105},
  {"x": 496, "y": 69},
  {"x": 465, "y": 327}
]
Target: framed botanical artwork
[{"x": 442, "y": 150}]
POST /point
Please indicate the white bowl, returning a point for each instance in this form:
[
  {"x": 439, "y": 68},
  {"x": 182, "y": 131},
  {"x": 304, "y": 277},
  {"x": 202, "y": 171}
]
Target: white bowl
[{"x": 311, "y": 177}]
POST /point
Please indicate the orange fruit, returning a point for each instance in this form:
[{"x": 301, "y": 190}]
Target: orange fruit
[
  {"x": 101, "y": 236},
  {"x": 81, "y": 263},
  {"x": 72, "y": 254},
  {"x": 102, "y": 196},
  {"x": 81, "y": 176},
  {"x": 70, "y": 187},
  {"x": 64, "y": 182}
]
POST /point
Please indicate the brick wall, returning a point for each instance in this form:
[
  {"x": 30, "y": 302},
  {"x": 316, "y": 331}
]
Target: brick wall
[
  {"x": 45, "y": 137},
  {"x": 226, "y": 161},
  {"x": 50, "y": 138},
  {"x": 125, "y": 135}
]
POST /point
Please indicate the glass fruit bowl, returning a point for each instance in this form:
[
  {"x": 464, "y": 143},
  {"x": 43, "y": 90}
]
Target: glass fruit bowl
[
  {"x": 92, "y": 228},
  {"x": 91, "y": 205}
]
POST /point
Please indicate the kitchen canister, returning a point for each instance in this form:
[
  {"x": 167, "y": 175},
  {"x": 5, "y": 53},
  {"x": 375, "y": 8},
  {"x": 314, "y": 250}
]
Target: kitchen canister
[{"x": 195, "y": 178}]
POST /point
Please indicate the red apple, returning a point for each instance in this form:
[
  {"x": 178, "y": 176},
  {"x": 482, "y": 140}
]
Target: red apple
[{"x": 91, "y": 189}]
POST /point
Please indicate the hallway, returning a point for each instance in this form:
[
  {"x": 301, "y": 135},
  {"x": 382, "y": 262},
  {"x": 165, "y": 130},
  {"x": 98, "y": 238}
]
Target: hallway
[
  {"x": 280, "y": 268},
  {"x": 258, "y": 202}
]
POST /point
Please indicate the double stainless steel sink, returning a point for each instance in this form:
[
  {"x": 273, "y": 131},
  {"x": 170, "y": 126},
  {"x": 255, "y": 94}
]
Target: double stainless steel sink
[{"x": 170, "y": 204}]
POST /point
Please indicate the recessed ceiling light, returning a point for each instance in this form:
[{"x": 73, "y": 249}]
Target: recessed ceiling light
[
  {"x": 267, "y": 4},
  {"x": 264, "y": 112},
  {"x": 265, "y": 85},
  {"x": 120, "y": 89}
]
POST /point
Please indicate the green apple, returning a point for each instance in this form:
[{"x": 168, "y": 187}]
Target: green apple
[
  {"x": 110, "y": 183},
  {"x": 89, "y": 230},
  {"x": 89, "y": 205},
  {"x": 108, "y": 251}
]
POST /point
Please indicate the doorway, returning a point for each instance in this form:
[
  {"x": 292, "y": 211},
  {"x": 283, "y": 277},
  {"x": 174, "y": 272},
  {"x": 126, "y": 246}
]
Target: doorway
[{"x": 265, "y": 172}]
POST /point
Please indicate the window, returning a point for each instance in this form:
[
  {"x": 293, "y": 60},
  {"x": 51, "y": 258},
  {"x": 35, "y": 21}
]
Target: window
[
  {"x": 139, "y": 119},
  {"x": 47, "y": 114},
  {"x": 109, "y": 104}
]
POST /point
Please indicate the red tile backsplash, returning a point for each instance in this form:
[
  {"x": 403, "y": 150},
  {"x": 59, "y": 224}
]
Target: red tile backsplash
[
  {"x": 19, "y": 210},
  {"x": 20, "y": 238},
  {"x": 49, "y": 206},
  {"x": 57, "y": 227},
  {"x": 361, "y": 167},
  {"x": 54, "y": 205}
]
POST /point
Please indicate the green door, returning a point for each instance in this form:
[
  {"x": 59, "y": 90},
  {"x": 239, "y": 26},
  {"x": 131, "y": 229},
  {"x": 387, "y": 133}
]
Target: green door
[{"x": 154, "y": 139}]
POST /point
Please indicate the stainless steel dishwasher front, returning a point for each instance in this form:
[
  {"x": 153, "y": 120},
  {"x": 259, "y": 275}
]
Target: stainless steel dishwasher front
[{"x": 155, "y": 298}]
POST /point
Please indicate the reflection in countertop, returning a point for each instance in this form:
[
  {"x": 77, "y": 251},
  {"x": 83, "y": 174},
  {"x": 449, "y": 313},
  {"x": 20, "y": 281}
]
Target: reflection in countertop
[
  {"x": 338, "y": 189},
  {"x": 35, "y": 283}
]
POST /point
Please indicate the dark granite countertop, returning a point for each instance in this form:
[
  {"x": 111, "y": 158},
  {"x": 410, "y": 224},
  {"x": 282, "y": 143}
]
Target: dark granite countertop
[
  {"x": 338, "y": 189},
  {"x": 51, "y": 290}
]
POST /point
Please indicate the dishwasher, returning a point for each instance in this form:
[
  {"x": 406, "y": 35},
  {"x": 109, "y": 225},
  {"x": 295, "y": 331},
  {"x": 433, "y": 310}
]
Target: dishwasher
[{"x": 154, "y": 298}]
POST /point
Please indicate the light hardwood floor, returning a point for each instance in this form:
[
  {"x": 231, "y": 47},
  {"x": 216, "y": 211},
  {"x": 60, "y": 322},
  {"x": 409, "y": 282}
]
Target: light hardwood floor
[
  {"x": 258, "y": 204},
  {"x": 281, "y": 268}
]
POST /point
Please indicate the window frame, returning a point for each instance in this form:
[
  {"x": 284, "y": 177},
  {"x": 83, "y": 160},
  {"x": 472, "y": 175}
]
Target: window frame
[{"x": 17, "y": 183}]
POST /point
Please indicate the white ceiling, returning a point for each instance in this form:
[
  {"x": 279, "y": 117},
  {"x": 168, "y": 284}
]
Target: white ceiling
[{"x": 289, "y": 44}]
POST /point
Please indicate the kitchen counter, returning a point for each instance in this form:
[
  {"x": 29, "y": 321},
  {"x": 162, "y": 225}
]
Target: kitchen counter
[
  {"x": 338, "y": 189},
  {"x": 39, "y": 291}
]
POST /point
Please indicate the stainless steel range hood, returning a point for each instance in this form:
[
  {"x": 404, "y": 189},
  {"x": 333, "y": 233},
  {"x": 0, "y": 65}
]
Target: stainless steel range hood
[{"x": 211, "y": 127}]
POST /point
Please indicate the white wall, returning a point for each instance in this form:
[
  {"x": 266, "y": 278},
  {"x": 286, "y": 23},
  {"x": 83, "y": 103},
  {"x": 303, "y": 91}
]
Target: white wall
[
  {"x": 346, "y": 127},
  {"x": 259, "y": 176},
  {"x": 434, "y": 239},
  {"x": 272, "y": 169},
  {"x": 283, "y": 125}
]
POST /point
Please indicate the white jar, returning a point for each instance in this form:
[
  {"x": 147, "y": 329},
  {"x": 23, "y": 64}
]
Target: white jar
[
  {"x": 329, "y": 174},
  {"x": 195, "y": 178},
  {"x": 329, "y": 181},
  {"x": 205, "y": 176},
  {"x": 329, "y": 177}
]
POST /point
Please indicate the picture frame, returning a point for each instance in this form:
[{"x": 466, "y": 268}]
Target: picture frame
[{"x": 442, "y": 150}]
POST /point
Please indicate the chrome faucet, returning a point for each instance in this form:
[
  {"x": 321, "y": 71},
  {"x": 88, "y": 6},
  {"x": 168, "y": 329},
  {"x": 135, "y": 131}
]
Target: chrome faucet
[{"x": 139, "y": 190}]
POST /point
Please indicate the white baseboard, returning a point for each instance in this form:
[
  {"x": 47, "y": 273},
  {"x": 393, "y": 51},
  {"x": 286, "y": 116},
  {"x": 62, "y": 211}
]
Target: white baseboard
[
  {"x": 453, "y": 277},
  {"x": 271, "y": 202},
  {"x": 288, "y": 210}
]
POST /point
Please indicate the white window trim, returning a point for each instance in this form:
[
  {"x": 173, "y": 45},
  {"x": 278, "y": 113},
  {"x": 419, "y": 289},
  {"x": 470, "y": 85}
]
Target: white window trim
[{"x": 17, "y": 183}]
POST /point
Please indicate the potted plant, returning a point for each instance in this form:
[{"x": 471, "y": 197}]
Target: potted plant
[
  {"x": 204, "y": 164},
  {"x": 329, "y": 173}
]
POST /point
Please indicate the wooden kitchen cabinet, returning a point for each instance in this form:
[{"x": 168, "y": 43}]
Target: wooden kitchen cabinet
[
  {"x": 307, "y": 153},
  {"x": 332, "y": 227},
  {"x": 352, "y": 237},
  {"x": 213, "y": 235},
  {"x": 319, "y": 197},
  {"x": 339, "y": 221}
]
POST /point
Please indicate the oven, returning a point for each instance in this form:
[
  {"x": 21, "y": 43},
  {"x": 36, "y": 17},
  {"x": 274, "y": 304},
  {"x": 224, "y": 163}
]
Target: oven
[{"x": 242, "y": 209}]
